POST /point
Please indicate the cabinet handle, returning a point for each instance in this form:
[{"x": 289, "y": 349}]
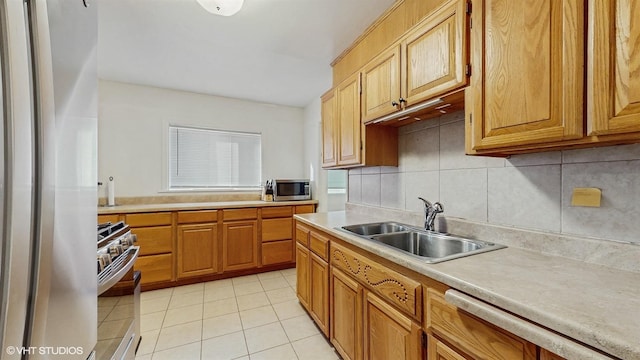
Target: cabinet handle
[
  {"x": 402, "y": 100},
  {"x": 393, "y": 103}
]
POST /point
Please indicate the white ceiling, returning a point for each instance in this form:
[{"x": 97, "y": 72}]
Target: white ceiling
[{"x": 272, "y": 51}]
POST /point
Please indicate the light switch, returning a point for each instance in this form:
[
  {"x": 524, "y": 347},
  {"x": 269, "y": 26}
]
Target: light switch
[{"x": 589, "y": 197}]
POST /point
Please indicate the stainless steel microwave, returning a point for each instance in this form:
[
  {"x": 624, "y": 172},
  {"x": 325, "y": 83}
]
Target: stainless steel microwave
[{"x": 285, "y": 190}]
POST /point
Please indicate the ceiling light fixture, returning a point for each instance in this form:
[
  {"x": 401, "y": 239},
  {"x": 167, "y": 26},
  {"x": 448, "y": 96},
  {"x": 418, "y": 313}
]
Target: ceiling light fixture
[{"x": 221, "y": 7}]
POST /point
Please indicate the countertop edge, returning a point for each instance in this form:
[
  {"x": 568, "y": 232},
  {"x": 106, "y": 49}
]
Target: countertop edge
[{"x": 143, "y": 208}]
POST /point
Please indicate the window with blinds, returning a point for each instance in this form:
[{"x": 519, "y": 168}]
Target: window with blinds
[{"x": 213, "y": 159}]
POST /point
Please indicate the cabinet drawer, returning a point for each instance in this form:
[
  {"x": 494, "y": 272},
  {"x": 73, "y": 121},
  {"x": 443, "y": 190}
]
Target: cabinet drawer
[
  {"x": 155, "y": 268},
  {"x": 277, "y": 229},
  {"x": 112, "y": 218},
  {"x": 277, "y": 211},
  {"x": 204, "y": 216},
  {"x": 319, "y": 245},
  {"x": 277, "y": 252},
  {"x": 150, "y": 219},
  {"x": 470, "y": 334},
  {"x": 240, "y": 214},
  {"x": 305, "y": 209},
  {"x": 302, "y": 234},
  {"x": 393, "y": 287},
  {"x": 154, "y": 240}
]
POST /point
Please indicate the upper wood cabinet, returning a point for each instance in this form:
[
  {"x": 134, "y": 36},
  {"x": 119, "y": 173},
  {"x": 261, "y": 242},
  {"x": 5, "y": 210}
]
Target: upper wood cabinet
[
  {"x": 344, "y": 138},
  {"x": 527, "y": 60},
  {"x": 429, "y": 61},
  {"x": 329, "y": 129},
  {"x": 348, "y": 121},
  {"x": 613, "y": 67},
  {"x": 381, "y": 85},
  {"x": 434, "y": 54}
]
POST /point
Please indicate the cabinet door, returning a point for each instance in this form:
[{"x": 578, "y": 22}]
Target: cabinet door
[
  {"x": 381, "y": 85},
  {"x": 240, "y": 245},
  {"x": 155, "y": 268},
  {"x": 197, "y": 253},
  {"x": 349, "y": 139},
  {"x": 346, "y": 315},
  {"x": 435, "y": 54},
  {"x": 613, "y": 67},
  {"x": 330, "y": 126},
  {"x": 527, "y": 81},
  {"x": 319, "y": 306},
  {"x": 437, "y": 350},
  {"x": 277, "y": 229},
  {"x": 302, "y": 275},
  {"x": 388, "y": 334}
]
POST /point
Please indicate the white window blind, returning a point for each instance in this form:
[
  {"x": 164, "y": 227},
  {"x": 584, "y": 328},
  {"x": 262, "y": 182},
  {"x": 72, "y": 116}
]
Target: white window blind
[{"x": 202, "y": 158}]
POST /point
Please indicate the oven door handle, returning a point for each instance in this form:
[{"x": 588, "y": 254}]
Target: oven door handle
[{"x": 117, "y": 270}]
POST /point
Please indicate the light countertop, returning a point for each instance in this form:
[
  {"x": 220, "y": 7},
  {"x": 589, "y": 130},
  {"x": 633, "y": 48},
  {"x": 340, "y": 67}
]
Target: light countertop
[
  {"x": 593, "y": 304},
  {"x": 137, "y": 208}
]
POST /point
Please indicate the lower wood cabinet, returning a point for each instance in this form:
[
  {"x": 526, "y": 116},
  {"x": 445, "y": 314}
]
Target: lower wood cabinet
[
  {"x": 303, "y": 285},
  {"x": 346, "y": 315},
  {"x": 437, "y": 350},
  {"x": 239, "y": 245},
  {"x": 389, "y": 334},
  {"x": 371, "y": 308},
  {"x": 319, "y": 292},
  {"x": 197, "y": 250},
  {"x": 472, "y": 336},
  {"x": 155, "y": 268},
  {"x": 277, "y": 252}
]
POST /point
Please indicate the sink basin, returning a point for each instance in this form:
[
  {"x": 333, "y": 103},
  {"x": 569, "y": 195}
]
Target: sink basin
[
  {"x": 428, "y": 244},
  {"x": 376, "y": 228},
  {"x": 431, "y": 247}
]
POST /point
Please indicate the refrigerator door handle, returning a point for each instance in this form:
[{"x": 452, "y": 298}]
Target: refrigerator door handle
[
  {"x": 44, "y": 171},
  {"x": 16, "y": 232}
]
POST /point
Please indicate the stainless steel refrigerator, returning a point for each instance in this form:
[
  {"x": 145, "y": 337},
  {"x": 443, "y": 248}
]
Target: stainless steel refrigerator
[{"x": 48, "y": 178}]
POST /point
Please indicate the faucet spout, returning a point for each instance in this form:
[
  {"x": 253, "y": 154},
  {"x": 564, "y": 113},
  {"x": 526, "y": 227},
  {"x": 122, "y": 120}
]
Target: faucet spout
[{"x": 430, "y": 213}]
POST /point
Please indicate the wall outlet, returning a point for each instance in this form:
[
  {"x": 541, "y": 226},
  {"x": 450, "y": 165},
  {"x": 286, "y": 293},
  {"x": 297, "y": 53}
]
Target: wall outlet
[{"x": 588, "y": 197}]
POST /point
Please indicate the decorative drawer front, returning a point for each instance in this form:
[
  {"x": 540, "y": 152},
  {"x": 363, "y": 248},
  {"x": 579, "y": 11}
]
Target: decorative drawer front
[
  {"x": 240, "y": 214},
  {"x": 388, "y": 284},
  {"x": 150, "y": 219},
  {"x": 319, "y": 244},
  {"x": 471, "y": 335},
  {"x": 194, "y": 217},
  {"x": 277, "y": 229},
  {"x": 269, "y": 212},
  {"x": 302, "y": 234}
]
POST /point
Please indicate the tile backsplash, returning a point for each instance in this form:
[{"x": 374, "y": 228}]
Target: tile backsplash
[{"x": 531, "y": 191}]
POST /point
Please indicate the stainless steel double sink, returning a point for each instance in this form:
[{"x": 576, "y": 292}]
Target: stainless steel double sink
[{"x": 429, "y": 246}]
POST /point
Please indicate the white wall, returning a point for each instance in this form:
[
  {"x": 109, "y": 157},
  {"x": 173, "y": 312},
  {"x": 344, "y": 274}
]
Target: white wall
[
  {"x": 530, "y": 191},
  {"x": 313, "y": 160},
  {"x": 132, "y": 133}
]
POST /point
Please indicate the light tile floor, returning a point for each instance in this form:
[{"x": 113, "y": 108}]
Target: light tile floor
[{"x": 248, "y": 317}]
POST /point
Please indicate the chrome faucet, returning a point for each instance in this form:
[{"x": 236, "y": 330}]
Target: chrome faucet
[{"x": 430, "y": 213}]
